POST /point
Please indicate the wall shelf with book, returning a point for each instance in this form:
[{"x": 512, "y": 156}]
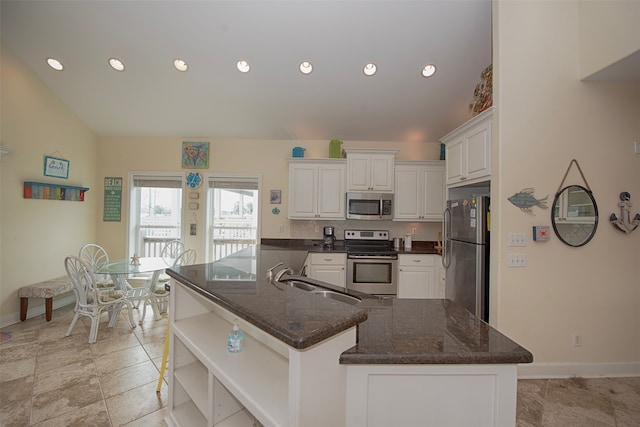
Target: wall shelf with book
[{"x": 48, "y": 191}]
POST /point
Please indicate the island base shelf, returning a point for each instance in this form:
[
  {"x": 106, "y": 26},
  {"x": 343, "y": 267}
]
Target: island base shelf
[{"x": 269, "y": 380}]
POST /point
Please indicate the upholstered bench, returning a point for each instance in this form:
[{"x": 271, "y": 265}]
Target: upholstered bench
[{"x": 47, "y": 290}]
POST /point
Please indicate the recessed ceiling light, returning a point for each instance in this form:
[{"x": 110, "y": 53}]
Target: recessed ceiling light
[
  {"x": 116, "y": 64},
  {"x": 370, "y": 69},
  {"x": 306, "y": 67},
  {"x": 243, "y": 66},
  {"x": 55, "y": 64},
  {"x": 180, "y": 64},
  {"x": 428, "y": 70}
]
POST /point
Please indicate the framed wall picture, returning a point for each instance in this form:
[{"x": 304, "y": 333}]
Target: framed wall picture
[
  {"x": 275, "y": 197},
  {"x": 58, "y": 168},
  {"x": 195, "y": 155}
]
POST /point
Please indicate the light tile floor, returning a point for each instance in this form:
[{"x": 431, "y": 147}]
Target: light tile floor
[{"x": 47, "y": 379}]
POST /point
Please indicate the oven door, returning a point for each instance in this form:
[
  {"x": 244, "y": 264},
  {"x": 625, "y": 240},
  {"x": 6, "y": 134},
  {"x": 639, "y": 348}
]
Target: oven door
[{"x": 372, "y": 274}]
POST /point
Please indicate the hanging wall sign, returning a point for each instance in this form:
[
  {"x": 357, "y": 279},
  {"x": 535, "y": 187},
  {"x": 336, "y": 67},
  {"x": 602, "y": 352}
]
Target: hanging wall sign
[
  {"x": 112, "y": 200},
  {"x": 58, "y": 168}
]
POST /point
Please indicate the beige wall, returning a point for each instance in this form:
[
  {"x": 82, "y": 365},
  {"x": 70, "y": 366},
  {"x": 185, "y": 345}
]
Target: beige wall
[
  {"x": 618, "y": 20},
  {"x": 36, "y": 235},
  {"x": 546, "y": 117},
  {"x": 264, "y": 158}
]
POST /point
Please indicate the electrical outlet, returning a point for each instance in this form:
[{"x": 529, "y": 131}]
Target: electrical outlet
[
  {"x": 316, "y": 229},
  {"x": 637, "y": 147},
  {"x": 577, "y": 340},
  {"x": 281, "y": 229},
  {"x": 413, "y": 230},
  {"x": 516, "y": 260}
]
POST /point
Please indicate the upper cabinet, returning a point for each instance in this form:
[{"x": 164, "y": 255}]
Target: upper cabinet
[
  {"x": 317, "y": 189},
  {"x": 370, "y": 170},
  {"x": 468, "y": 151},
  {"x": 419, "y": 191}
]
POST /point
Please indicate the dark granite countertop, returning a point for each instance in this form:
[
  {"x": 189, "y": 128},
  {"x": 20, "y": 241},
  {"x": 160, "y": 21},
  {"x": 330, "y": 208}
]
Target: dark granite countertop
[
  {"x": 429, "y": 331},
  {"x": 390, "y": 330},
  {"x": 238, "y": 283},
  {"x": 418, "y": 247}
]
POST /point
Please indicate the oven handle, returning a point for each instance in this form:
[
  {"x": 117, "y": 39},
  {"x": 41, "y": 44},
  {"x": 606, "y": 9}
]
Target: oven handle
[{"x": 372, "y": 256}]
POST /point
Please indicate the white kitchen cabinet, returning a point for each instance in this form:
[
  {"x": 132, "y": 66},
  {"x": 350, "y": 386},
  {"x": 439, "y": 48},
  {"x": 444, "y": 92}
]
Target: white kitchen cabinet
[
  {"x": 418, "y": 276},
  {"x": 370, "y": 170},
  {"x": 317, "y": 189},
  {"x": 468, "y": 151},
  {"x": 419, "y": 191},
  {"x": 329, "y": 268}
]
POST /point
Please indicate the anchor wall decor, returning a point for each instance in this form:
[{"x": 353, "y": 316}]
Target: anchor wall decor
[{"x": 625, "y": 223}]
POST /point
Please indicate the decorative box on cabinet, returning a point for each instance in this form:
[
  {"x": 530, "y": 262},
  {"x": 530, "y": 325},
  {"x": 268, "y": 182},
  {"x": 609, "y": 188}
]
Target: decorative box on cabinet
[
  {"x": 419, "y": 194},
  {"x": 370, "y": 170},
  {"x": 317, "y": 189},
  {"x": 468, "y": 151},
  {"x": 418, "y": 276}
]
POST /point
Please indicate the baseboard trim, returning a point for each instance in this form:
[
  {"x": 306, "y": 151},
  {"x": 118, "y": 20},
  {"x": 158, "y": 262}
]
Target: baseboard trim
[
  {"x": 585, "y": 370},
  {"x": 37, "y": 310}
]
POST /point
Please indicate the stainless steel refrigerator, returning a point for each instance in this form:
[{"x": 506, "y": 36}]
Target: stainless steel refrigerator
[{"x": 465, "y": 254}]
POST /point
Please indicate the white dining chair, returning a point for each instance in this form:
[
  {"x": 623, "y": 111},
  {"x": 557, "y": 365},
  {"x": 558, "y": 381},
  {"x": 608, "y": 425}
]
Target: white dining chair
[
  {"x": 158, "y": 289},
  {"x": 172, "y": 249},
  {"x": 95, "y": 256},
  {"x": 92, "y": 301}
]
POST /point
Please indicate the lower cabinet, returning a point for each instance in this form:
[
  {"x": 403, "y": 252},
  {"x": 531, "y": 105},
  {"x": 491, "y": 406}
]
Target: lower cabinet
[
  {"x": 329, "y": 268},
  {"x": 418, "y": 276},
  {"x": 268, "y": 383},
  {"x": 449, "y": 395}
]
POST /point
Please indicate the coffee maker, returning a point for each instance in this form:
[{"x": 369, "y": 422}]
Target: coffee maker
[{"x": 329, "y": 236}]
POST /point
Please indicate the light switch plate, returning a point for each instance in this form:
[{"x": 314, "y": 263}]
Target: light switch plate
[
  {"x": 517, "y": 239},
  {"x": 517, "y": 260}
]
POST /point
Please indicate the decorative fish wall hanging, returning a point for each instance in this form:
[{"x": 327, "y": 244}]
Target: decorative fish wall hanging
[{"x": 525, "y": 200}]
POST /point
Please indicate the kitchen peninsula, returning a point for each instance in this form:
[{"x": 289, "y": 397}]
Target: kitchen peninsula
[{"x": 314, "y": 361}]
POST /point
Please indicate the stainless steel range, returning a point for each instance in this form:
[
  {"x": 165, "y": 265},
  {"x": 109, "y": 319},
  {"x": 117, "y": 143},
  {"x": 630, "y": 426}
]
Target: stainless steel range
[{"x": 371, "y": 263}]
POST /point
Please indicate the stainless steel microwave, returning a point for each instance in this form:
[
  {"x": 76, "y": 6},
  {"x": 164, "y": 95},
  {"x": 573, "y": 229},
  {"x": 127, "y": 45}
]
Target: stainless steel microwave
[{"x": 374, "y": 206}]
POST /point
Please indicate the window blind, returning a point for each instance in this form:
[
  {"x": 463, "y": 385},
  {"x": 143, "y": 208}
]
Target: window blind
[{"x": 157, "y": 181}]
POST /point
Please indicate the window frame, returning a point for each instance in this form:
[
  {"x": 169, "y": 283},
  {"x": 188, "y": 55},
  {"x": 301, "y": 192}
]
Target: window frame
[
  {"x": 209, "y": 211},
  {"x": 134, "y": 203}
]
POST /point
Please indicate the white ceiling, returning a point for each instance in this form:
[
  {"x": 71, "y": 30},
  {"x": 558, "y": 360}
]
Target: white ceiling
[{"x": 274, "y": 100}]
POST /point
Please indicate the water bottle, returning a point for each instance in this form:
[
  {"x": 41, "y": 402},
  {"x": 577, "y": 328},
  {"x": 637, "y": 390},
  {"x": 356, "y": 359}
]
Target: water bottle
[{"x": 235, "y": 340}]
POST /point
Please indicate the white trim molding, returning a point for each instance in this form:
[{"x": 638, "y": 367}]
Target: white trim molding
[{"x": 586, "y": 370}]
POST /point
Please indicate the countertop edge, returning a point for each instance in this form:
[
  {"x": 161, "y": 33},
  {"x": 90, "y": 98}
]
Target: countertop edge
[{"x": 299, "y": 343}]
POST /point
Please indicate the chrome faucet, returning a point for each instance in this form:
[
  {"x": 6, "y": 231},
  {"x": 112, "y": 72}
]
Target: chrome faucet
[
  {"x": 279, "y": 274},
  {"x": 270, "y": 271}
]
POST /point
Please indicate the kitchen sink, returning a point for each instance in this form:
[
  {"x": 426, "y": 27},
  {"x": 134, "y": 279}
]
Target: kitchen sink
[
  {"x": 301, "y": 285},
  {"x": 349, "y": 299},
  {"x": 338, "y": 296}
]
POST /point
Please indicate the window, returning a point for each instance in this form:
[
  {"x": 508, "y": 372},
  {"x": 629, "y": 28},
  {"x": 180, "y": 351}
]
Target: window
[
  {"x": 233, "y": 215},
  {"x": 155, "y": 214}
]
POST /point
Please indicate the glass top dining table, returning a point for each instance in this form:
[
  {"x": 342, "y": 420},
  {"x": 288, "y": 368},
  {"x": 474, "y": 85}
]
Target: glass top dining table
[{"x": 119, "y": 269}]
